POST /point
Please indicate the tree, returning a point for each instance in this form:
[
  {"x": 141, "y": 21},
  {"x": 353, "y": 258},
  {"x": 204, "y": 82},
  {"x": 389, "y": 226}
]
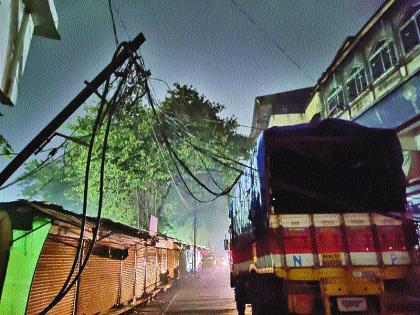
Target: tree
[
  {"x": 5, "y": 148},
  {"x": 138, "y": 180}
]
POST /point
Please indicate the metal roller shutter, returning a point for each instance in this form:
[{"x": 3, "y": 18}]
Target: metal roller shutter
[
  {"x": 128, "y": 274},
  {"x": 171, "y": 262},
  {"x": 140, "y": 270},
  {"x": 151, "y": 268},
  {"x": 159, "y": 262},
  {"x": 177, "y": 253},
  {"x": 164, "y": 261},
  {"x": 52, "y": 269},
  {"x": 99, "y": 285}
]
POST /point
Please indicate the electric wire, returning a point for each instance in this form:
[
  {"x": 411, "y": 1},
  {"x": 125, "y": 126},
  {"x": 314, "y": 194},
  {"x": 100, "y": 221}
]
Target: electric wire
[
  {"x": 95, "y": 128},
  {"x": 175, "y": 158},
  {"x": 110, "y": 111},
  {"x": 7, "y": 154},
  {"x": 100, "y": 205},
  {"x": 46, "y": 162},
  {"x": 113, "y": 23},
  {"x": 122, "y": 22},
  {"x": 171, "y": 152},
  {"x": 31, "y": 231},
  {"x": 181, "y": 126},
  {"x": 270, "y": 38},
  {"x": 186, "y": 204},
  {"x": 214, "y": 156}
]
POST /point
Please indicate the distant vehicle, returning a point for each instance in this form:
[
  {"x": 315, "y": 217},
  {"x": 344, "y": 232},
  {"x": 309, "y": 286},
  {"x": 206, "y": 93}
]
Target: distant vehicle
[
  {"x": 318, "y": 224},
  {"x": 221, "y": 262},
  {"x": 207, "y": 262}
]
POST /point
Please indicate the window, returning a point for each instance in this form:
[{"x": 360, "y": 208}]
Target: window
[
  {"x": 383, "y": 58},
  {"x": 410, "y": 30},
  {"x": 356, "y": 83},
  {"x": 335, "y": 98}
]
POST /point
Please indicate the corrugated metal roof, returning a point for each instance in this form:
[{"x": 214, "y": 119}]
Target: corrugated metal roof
[{"x": 57, "y": 212}]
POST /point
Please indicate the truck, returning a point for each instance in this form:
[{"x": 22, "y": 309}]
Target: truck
[{"x": 318, "y": 221}]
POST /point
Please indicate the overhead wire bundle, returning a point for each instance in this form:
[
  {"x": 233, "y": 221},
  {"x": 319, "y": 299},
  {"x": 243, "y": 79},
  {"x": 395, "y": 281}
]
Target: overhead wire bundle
[
  {"x": 179, "y": 164},
  {"x": 123, "y": 96}
]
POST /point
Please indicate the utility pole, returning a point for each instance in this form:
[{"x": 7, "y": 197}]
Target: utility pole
[
  {"x": 91, "y": 88},
  {"x": 195, "y": 241}
]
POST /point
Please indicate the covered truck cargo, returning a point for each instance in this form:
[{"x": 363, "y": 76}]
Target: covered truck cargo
[{"x": 332, "y": 166}]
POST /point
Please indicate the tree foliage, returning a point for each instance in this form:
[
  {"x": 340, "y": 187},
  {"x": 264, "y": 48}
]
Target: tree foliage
[
  {"x": 5, "y": 147},
  {"x": 138, "y": 179}
]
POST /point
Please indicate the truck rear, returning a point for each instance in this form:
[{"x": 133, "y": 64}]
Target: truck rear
[{"x": 318, "y": 222}]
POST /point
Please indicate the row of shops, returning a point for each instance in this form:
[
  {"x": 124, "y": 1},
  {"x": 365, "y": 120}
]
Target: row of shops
[{"x": 38, "y": 243}]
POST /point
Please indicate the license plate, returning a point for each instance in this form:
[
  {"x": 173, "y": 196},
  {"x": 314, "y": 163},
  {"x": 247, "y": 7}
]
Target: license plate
[
  {"x": 352, "y": 304},
  {"x": 365, "y": 274}
]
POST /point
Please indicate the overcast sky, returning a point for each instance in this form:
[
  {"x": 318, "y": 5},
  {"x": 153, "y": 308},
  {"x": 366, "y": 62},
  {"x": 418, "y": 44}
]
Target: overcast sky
[{"x": 206, "y": 43}]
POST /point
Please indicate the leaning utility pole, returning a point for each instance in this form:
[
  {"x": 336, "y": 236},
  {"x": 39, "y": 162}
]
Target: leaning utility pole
[{"x": 91, "y": 88}]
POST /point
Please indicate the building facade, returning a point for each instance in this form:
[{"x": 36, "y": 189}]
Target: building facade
[
  {"x": 374, "y": 80},
  {"x": 280, "y": 109},
  {"x": 19, "y": 21}
]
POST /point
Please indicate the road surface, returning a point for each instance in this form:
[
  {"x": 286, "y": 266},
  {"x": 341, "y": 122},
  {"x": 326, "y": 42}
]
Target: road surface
[{"x": 210, "y": 293}]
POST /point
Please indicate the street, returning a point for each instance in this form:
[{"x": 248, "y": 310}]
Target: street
[{"x": 209, "y": 293}]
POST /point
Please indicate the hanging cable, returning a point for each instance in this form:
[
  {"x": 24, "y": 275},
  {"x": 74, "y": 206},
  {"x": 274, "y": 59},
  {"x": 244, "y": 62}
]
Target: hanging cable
[
  {"x": 95, "y": 129},
  {"x": 176, "y": 159},
  {"x": 215, "y": 156},
  {"x": 186, "y": 204},
  {"x": 101, "y": 112},
  {"x": 174, "y": 156}
]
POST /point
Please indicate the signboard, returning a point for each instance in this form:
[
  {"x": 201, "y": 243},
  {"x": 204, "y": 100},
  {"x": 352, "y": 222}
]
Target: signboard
[
  {"x": 299, "y": 260},
  {"x": 153, "y": 225},
  {"x": 365, "y": 274}
]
